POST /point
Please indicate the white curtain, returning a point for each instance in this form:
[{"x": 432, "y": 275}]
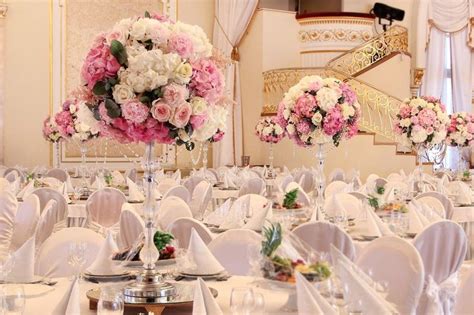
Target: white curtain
[
  {"x": 232, "y": 18},
  {"x": 2, "y": 92}
]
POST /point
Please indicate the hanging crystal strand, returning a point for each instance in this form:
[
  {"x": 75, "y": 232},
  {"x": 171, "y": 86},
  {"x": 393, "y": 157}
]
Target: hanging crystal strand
[
  {"x": 195, "y": 161},
  {"x": 270, "y": 158},
  {"x": 320, "y": 180},
  {"x": 204, "y": 155},
  {"x": 419, "y": 169},
  {"x": 58, "y": 154}
]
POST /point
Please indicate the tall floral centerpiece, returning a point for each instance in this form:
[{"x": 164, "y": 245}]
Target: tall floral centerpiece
[
  {"x": 51, "y": 134},
  {"x": 461, "y": 134},
  {"x": 269, "y": 130},
  {"x": 421, "y": 124},
  {"x": 153, "y": 81},
  {"x": 319, "y": 111}
]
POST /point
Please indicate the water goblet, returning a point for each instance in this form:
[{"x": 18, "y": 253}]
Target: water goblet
[
  {"x": 13, "y": 300},
  {"x": 242, "y": 301},
  {"x": 259, "y": 304},
  {"x": 7, "y": 262},
  {"x": 110, "y": 301}
]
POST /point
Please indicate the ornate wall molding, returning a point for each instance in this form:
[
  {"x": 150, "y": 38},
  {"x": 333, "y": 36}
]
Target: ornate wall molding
[{"x": 334, "y": 35}]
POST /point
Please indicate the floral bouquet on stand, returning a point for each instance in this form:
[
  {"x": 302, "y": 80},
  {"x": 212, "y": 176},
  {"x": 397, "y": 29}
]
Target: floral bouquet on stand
[
  {"x": 51, "y": 134},
  {"x": 319, "y": 111},
  {"x": 269, "y": 130},
  {"x": 421, "y": 124},
  {"x": 461, "y": 135}
]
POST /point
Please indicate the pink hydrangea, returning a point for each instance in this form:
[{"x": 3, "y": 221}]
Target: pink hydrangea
[
  {"x": 280, "y": 119},
  {"x": 349, "y": 95},
  {"x": 65, "y": 123},
  {"x": 175, "y": 94},
  {"x": 333, "y": 122},
  {"x": 304, "y": 105},
  {"x": 303, "y": 127},
  {"x": 103, "y": 113},
  {"x": 426, "y": 117},
  {"x": 197, "y": 121},
  {"x": 207, "y": 80},
  {"x": 135, "y": 111},
  {"x": 181, "y": 44},
  {"x": 405, "y": 111},
  {"x": 99, "y": 63}
]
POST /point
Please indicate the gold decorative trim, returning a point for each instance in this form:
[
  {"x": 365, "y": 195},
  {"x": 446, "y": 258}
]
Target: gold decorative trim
[
  {"x": 347, "y": 35},
  {"x": 418, "y": 76},
  {"x": 322, "y": 51},
  {"x": 336, "y": 20}
]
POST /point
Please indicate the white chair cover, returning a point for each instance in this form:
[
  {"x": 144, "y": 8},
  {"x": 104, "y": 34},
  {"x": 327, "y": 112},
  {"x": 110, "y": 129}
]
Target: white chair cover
[
  {"x": 334, "y": 188},
  {"x": 351, "y": 205},
  {"x": 434, "y": 204},
  {"x": 447, "y": 203},
  {"x": 201, "y": 197},
  {"x": 397, "y": 262},
  {"x": 283, "y": 181},
  {"x": 252, "y": 186},
  {"x": 192, "y": 182},
  {"x": 306, "y": 180},
  {"x": 181, "y": 229},
  {"x": 337, "y": 174},
  {"x": 320, "y": 235},
  {"x": 51, "y": 182},
  {"x": 131, "y": 227},
  {"x": 180, "y": 192},
  {"x": 47, "y": 194},
  {"x": 4, "y": 184},
  {"x": 46, "y": 222},
  {"x": 132, "y": 174},
  {"x": 104, "y": 206},
  {"x": 231, "y": 249},
  {"x": 165, "y": 184},
  {"x": 395, "y": 177},
  {"x": 371, "y": 178},
  {"x": 442, "y": 246},
  {"x": 12, "y": 176},
  {"x": 172, "y": 208},
  {"x": 57, "y": 173},
  {"x": 464, "y": 302},
  {"x": 57, "y": 246},
  {"x": 26, "y": 220},
  {"x": 8, "y": 210}
]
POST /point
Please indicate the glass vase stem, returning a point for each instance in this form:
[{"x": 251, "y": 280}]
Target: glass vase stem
[
  {"x": 83, "y": 150},
  {"x": 320, "y": 178},
  {"x": 270, "y": 158},
  {"x": 204, "y": 156},
  {"x": 57, "y": 155}
]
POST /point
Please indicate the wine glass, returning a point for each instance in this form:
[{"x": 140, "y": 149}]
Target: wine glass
[
  {"x": 7, "y": 262},
  {"x": 355, "y": 307},
  {"x": 13, "y": 299},
  {"x": 76, "y": 257},
  {"x": 259, "y": 304},
  {"x": 110, "y": 301},
  {"x": 254, "y": 257},
  {"x": 241, "y": 301}
]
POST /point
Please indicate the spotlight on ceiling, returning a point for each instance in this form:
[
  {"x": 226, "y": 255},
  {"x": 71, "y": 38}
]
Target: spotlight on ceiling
[{"x": 385, "y": 12}]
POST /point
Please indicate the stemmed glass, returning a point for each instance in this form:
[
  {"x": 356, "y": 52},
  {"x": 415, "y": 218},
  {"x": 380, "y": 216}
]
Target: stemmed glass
[
  {"x": 76, "y": 257},
  {"x": 12, "y": 299},
  {"x": 254, "y": 257},
  {"x": 7, "y": 261},
  {"x": 110, "y": 301},
  {"x": 242, "y": 301}
]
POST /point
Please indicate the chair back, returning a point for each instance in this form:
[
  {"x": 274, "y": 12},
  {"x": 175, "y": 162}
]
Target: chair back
[
  {"x": 46, "y": 194},
  {"x": 181, "y": 230},
  {"x": 131, "y": 227},
  {"x": 57, "y": 173},
  {"x": 201, "y": 197},
  {"x": 26, "y": 220},
  {"x": 179, "y": 191},
  {"x": 46, "y": 222},
  {"x": 8, "y": 211},
  {"x": 104, "y": 206},
  {"x": 172, "y": 208},
  {"x": 447, "y": 203}
]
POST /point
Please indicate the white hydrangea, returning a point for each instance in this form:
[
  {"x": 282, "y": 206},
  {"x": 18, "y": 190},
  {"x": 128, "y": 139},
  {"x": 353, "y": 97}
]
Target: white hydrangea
[
  {"x": 327, "y": 98},
  {"x": 202, "y": 46},
  {"x": 419, "y": 136}
]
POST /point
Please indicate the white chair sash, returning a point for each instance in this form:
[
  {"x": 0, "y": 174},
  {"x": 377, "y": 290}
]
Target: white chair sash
[{"x": 441, "y": 297}]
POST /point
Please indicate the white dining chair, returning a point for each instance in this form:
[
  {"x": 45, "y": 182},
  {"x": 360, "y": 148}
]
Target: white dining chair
[
  {"x": 232, "y": 250},
  {"x": 131, "y": 227},
  {"x": 8, "y": 211},
  {"x": 47, "y": 221},
  {"x": 181, "y": 230},
  {"x": 166, "y": 184},
  {"x": 57, "y": 173},
  {"x": 249, "y": 203},
  {"x": 350, "y": 204},
  {"x": 395, "y": 177},
  {"x": 12, "y": 176},
  {"x": 447, "y": 203},
  {"x": 320, "y": 235},
  {"x": 442, "y": 246},
  {"x": 396, "y": 262},
  {"x": 371, "y": 178},
  {"x": 104, "y": 207},
  {"x": 192, "y": 182},
  {"x": 337, "y": 174},
  {"x": 335, "y": 187},
  {"x": 434, "y": 205},
  {"x": 253, "y": 186},
  {"x": 26, "y": 220},
  {"x": 58, "y": 245},
  {"x": 306, "y": 180},
  {"x": 46, "y": 194},
  {"x": 200, "y": 200},
  {"x": 172, "y": 208},
  {"x": 179, "y": 191}
]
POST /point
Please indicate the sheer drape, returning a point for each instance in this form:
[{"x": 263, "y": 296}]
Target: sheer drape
[
  {"x": 230, "y": 22},
  {"x": 2, "y": 92}
]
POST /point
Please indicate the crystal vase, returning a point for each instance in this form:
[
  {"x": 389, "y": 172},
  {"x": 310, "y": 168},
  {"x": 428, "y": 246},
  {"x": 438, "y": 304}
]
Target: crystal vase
[
  {"x": 205, "y": 149},
  {"x": 83, "y": 167},
  {"x": 320, "y": 180},
  {"x": 271, "y": 172},
  {"x": 58, "y": 154},
  {"x": 461, "y": 167},
  {"x": 149, "y": 286},
  {"x": 420, "y": 153}
]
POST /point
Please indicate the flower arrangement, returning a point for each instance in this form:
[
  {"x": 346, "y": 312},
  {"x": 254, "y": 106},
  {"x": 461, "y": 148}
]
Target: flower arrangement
[
  {"x": 75, "y": 120},
  {"x": 155, "y": 80},
  {"x": 421, "y": 121},
  {"x": 395, "y": 206},
  {"x": 162, "y": 241},
  {"x": 318, "y": 110},
  {"x": 268, "y": 130},
  {"x": 461, "y": 130},
  {"x": 50, "y": 130}
]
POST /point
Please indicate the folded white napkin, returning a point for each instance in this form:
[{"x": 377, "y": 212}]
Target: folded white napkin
[
  {"x": 429, "y": 213},
  {"x": 372, "y": 302},
  {"x": 27, "y": 190},
  {"x": 70, "y": 303},
  {"x": 227, "y": 181},
  {"x": 309, "y": 300},
  {"x": 418, "y": 208},
  {"x": 177, "y": 176},
  {"x": 70, "y": 186},
  {"x": 63, "y": 191},
  {"x": 203, "y": 301},
  {"x": 117, "y": 178},
  {"x": 464, "y": 196},
  {"x": 237, "y": 213},
  {"x": 257, "y": 220},
  {"x": 403, "y": 174},
  {"x": 415, "y": 223},
  {"x": 390, "y": 195},
  {"x": 217, "y": 217},
  {"x": 302, "y": 179},
  {"x": 286, "y": 170},
  {"x": 134, "y": 193},
  {"x": 384, "y": 229},
  {"x": 103, "y": 264},
  {"x": 366, "y": 224},
  {"x": 24, "y": 263},
  {"x": 203, "y": 260},
  {"x": 99, "y": 183},
  {"x": 333, "y": 205}
]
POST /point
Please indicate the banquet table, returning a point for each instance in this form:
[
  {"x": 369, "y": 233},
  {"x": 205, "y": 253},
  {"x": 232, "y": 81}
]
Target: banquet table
[{"x": 45, "y": 298}]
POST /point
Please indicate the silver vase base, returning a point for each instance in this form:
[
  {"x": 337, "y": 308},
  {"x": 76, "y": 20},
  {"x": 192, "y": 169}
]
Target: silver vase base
[{"x": 149, "y": 288}]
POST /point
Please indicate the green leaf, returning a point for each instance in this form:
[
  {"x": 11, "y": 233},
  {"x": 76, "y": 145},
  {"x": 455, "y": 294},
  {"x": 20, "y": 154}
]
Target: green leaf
[
  {"x": 113, "y": 110},
  {"x": 272, "y": 238},
  {"x": 161, "y": 239},
  {"x": 118, "y": 51},
  {"x": 290, "y": 199},
  {"x": 147, "y": 14},
  {"x": 145, "y": 99},
  {"x": 373, "y": 202},
  {"x": 380, "y": 190},
  {"x": 99, "y": 88}
]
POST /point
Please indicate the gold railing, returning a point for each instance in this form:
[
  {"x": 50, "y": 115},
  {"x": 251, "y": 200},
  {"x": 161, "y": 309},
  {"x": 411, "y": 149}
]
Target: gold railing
[{"x": 362, "y": 57}]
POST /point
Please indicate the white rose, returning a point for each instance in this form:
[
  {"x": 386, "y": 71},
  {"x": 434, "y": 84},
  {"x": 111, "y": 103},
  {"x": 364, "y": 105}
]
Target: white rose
[
  {"x": 137, "y": 82},
  {"x": 86, "y": 118},
  {"x": 122, "y": 93},
  {"x": 199, "y": 105},
  {"x": 439, "y": 137},
  {"x": 267, "y": 131},
  {"x": 286, "y": 113},
  {"x": 405, "y": 122},
  {"x": 419, "y": 136},
  {"x": 291, "y": 129},
  {"x": 82, "y": 127},
  {"x": 138, "y": 30},
  {"x": 182, "y": 74},
  {"x": 259, "y": 128},
  {"x": 72, "y": 108},
  {"x": 278, "y": 129},
  {"x": 327, "y": 98},
  {"x": 347, "y": 111},
  {"x": 317, "y": 118}
]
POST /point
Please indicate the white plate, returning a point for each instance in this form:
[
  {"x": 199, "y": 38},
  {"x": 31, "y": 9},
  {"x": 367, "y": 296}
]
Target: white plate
[{"x": 138, "y": 263}]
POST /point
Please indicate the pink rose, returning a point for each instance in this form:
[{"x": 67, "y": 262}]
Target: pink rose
[
  {"x": 207, "y": 80},
  {"x": 470, "y": 127},
  {"x": 103, "y": 113},
  {"x": 161, "y": 111},
  {"x": 305, "y": 105},
  {"x": 135, "y": 111},
  {"x": 175, "y": 94},
  {"x": 181, "y": 44},
  {"x": 182, "y": 115},
  {"x": 218, "y": 136},
  {"x": 197, "y": 121}
]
